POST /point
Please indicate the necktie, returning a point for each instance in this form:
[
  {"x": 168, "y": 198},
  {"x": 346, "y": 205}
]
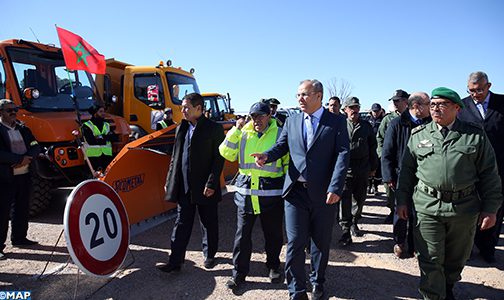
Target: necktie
[
  {"x": 444, "y": 131},
  {"x": 419, "y": 122},
  {"x": 481, "y": 108},
  {"x": 309, "y": 130}
]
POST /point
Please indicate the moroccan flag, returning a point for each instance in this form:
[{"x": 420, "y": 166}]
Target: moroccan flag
[{"x": 78, "y": 54}]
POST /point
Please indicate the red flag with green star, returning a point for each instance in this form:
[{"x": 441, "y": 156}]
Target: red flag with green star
[{"x": 78, "y": 54}]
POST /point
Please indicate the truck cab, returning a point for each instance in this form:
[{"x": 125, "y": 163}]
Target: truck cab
[
  {"x": 141, "y": 93},
  {"x": 35, "y": 78},
  {"x": 218, "y": 108}
]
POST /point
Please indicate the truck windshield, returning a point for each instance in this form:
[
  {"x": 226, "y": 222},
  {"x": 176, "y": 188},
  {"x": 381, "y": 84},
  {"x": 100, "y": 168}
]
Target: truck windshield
[
  {"x": 46, "y": 72},
  {"x": 180, "y": 85},
  {"x": 223, "y": 105},
  {"x": 216, "y": 107}
]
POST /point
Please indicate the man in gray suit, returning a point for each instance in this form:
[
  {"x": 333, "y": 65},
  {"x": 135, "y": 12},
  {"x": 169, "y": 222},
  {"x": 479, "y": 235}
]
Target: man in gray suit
[{"x": 317, "y": 142}]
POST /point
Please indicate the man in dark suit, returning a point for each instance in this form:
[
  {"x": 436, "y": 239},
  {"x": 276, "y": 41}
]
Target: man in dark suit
[
  {"x": 317, "y": 142},
  {"x": 193, "y": 182},
  {"x": 18, "y": 147},
  {"x": 487, "y": 109}
]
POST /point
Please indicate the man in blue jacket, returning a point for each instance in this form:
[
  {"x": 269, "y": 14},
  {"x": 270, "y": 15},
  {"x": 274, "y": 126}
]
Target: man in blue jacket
[{"x": 318, "y": 147}]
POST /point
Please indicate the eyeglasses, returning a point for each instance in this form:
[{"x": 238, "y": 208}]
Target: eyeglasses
[
  {"x": 10, "y": 110},
  {"x": 441, "y": 105},
  {"x": 304, "y": 95},
  {"x": 475, "y": 91}
]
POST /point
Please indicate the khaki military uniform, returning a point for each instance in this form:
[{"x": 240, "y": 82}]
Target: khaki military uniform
[{"x": 450, "y": 181}]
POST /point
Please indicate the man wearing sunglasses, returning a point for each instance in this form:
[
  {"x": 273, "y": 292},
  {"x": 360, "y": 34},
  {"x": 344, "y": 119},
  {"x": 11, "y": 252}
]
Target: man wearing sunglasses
[
  {"x": 487, "y": 109},
  {"x": 18, "y": 147},
  {"x": 449, "y": 177}
]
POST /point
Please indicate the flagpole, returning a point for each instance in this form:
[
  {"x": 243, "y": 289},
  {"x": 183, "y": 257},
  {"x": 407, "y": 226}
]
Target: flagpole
[{"x": 74, "y": 99}]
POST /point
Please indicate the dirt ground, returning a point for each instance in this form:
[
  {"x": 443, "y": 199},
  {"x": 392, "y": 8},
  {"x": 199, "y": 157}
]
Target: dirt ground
[{"x": 365, "y": 270}]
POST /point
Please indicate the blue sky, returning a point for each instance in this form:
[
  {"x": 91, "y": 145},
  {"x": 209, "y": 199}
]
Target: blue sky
[{"x": 261, "y": 49}]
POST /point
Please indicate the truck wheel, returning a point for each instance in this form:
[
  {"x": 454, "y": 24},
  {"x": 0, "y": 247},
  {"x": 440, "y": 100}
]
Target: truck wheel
[{"x": 40, "y": 195}]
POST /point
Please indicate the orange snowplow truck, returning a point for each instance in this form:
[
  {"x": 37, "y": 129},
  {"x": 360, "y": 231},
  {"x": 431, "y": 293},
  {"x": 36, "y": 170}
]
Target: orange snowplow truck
[{"x": 34, "y": 76}]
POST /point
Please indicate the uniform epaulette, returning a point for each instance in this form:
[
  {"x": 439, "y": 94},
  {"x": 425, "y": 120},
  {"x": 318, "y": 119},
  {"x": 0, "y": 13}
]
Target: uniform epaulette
[{"x": 417, "y": 129}]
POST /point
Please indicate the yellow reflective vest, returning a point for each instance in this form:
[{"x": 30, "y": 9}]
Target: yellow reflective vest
[
  {"x": 99, "y": 150},
  {"x": 253, "y": 181}
]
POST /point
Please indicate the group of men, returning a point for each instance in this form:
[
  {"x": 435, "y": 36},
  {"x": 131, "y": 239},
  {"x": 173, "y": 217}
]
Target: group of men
[
  {"x": 443, "y": 173},
  {"x": 446, "y": 175}
]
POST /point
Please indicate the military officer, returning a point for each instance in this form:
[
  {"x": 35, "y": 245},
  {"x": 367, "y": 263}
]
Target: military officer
[{"x": 449, "y": 175}]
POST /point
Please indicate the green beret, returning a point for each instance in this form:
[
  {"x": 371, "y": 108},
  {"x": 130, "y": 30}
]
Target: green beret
[{"x": 446, "y": 93}]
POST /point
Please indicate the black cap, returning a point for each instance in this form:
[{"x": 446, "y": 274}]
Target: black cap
[
  {"x": 376, "y": 107},
  {"x": 271, "y": 101},
  {"x": 399, "y": 94},
  {"x": 259, "y": 108}
]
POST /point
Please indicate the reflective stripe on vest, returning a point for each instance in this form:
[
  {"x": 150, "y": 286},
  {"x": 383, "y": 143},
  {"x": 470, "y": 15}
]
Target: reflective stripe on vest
[
  {"x": 163, "y": 124},
  {"x": 230, "y": 145},
  {"x": 260, "y": 193},
  {"x": 99, "y": 150}
]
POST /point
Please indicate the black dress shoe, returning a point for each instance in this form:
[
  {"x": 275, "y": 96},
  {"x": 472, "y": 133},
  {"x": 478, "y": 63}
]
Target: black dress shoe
[
  {"x": 488, "y": 257},
  {"x": 354, "y": 229},
  {"x": 235, "y": 282},
  {"x": 318, "y": 292},
  {"x": 275, "y": 276},
  {"x": 346, "y": 238},
  {"x": 168, "y": 268},
  {"x": 24, "y": 242},
  {"x": 209, "y": 263}
]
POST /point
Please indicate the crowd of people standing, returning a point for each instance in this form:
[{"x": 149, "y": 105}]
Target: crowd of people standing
[{"x": 439, "y": 157}]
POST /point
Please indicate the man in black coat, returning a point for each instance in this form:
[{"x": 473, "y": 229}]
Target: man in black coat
[
  {"x": 487, "y": 109},
  {"x": 396, "y": 140},
  {"x": 193, "y": 182},
  {"x": 18, "y": 147}
]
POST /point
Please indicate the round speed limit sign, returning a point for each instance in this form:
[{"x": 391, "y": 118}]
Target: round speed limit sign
[{"x": 96, "y": 228}]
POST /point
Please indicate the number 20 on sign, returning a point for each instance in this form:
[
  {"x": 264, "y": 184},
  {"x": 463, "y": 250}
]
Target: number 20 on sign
[{"x": 96, "y": 228}]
